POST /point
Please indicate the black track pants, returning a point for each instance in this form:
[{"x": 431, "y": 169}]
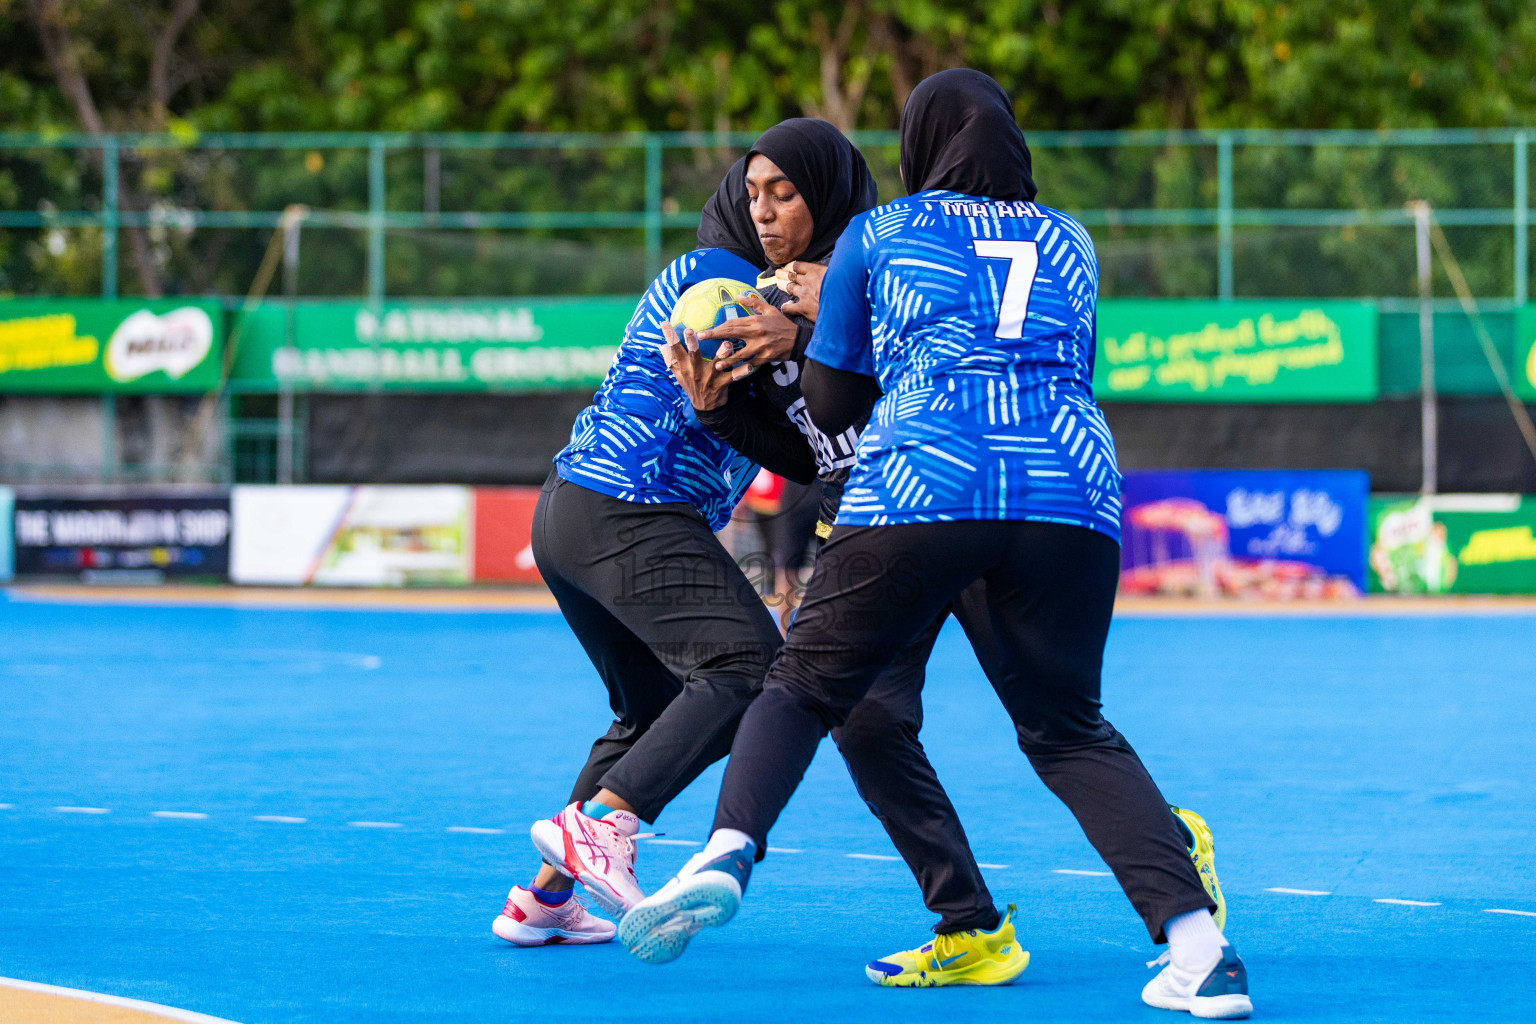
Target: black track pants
[
  {"x": 879, "y": 742},
  {"x": 1049, "y": 597},
  {"x": 682, "y": 641},
  {"x": 679, "y": 636}
]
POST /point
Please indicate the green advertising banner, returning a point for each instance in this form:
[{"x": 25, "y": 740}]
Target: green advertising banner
[
  {"x": 1524, "y": 371},
  {"x": 1177, "y": 350},
  {"x": 145, "y": 346},
  {"x": 1453, "y": 544},
  {"x": 498, "y": 345}
]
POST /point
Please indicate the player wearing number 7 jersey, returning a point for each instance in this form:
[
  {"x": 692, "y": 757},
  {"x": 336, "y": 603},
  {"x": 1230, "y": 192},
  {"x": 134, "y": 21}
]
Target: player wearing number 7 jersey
[
  {"x": 982, "y": 418},
  {"x": 970, "y": 310}
]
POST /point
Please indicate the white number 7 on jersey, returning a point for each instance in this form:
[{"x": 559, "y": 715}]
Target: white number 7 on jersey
[{"x": 1023, "y": 260}]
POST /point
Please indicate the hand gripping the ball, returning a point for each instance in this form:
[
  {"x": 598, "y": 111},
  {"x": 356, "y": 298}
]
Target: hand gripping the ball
[
  {"x": 704, "y": 385},
  {"x": 768, "y": 337}
]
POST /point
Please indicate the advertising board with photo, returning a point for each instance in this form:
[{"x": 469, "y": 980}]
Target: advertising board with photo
[{"x": 1275, "y": 534}]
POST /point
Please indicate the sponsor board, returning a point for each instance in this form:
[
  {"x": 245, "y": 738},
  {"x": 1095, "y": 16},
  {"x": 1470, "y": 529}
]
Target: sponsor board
[
  {"x": 539, "y": 344},
  {"x": 1525, "y": 353},
  {"x": 384, "y": 536},
  {"x": 147, "y": 535},
  {"x": 7, "y": 566},
  {"x": 504, "y": 535},
  {"x": 1454, "y": 544},
  {"x": 1175, "y": 350},
  {"x": 1244, "y": 533},
  {"x": 84, "y": 345}
]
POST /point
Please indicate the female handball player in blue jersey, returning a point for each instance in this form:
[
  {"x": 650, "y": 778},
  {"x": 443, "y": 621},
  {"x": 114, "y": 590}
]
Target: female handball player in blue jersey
[
  {"x": 623, "y": 535},
  {"x": 970, "y": 311},
  {"x": 764, "y": 418}
]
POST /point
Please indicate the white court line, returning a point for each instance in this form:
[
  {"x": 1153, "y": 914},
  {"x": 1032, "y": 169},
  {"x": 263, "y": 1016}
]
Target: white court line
[
  {"x": 154, "y": 1009},
  {"x": 1075, "y": 871},
  {"x": 993, "y": 867},
  {"x": 374, "y": 824},
  {"x": 280, "y": 818},
  {"x": 190, "y": 815},
  {"x": 83, "y": 810},
  {"x": 472, "y": 830},
  {"x": 675, "y": 842},
  {"x": 870, "y": 856},
  {"x": 1407, "y": 903},
  {"x": 1299, "y": 892},
  {"x": 1516, "y": 913},
  {"x": 7, "y": 807},
  {"x": 784, "y": 849}
]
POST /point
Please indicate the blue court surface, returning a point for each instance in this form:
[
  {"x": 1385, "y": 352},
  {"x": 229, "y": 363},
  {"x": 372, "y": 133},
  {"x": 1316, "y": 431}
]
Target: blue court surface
[{"x": 334, "y": 778}]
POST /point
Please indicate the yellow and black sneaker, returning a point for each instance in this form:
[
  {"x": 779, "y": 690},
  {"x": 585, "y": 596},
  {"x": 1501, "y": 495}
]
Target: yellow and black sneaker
[
  {"x": 958, "y": 958},
  {"x": 1202, "y": 850}
]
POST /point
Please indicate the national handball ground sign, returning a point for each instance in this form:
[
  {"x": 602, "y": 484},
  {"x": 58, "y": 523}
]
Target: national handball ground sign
[
  {"x": 1174, "y": 350},
  {"x": 489, "y": 345},
  {"x": 92, "y": 346}
]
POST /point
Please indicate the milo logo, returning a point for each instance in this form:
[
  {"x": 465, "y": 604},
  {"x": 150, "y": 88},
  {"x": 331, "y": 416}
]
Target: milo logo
[{"x": 173, "y": 342}]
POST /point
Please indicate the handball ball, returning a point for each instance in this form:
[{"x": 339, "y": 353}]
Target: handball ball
[{"x": 709, "y": 304}]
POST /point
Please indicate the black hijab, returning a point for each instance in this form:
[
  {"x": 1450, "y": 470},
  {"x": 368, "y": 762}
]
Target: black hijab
[
  {"x": 958, "y": 134},
  {"x": 829, "y": 172},
  {"x": 726, "y": 221},
  {"x": 826, "y": 168}
]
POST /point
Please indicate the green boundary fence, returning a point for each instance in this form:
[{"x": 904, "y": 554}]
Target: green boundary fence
[
  {"x": 1224, "y": 216},
  {"x": 1219, "y": 202}
]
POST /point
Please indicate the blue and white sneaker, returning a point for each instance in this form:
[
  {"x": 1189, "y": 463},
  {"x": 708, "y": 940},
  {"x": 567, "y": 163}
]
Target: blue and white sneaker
[
  {"x": 1218, "y": 989},
  {"x": 704, "y": 894}
]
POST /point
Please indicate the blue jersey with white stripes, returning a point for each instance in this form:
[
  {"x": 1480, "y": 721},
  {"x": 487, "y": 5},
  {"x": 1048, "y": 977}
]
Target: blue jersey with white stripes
[
  {"x": 639, "y": 440},
  {"x": 977, "y": 318}
]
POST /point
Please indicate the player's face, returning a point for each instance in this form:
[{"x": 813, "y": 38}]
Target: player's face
[{"x": 784, "y": 223}]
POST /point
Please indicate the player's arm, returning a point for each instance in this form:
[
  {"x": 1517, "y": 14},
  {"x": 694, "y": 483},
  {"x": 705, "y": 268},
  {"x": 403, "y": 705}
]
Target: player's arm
[
  {"x": 839, "y": 382},
  {"x": 753, "y": 426},
  {"x": 837, "y": 399}
]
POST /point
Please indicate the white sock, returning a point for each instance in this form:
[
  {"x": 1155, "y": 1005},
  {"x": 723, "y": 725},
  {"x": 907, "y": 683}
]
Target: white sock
[
  {"x": 728, "y": 840},
  {"x": 1193, "y": 938}
]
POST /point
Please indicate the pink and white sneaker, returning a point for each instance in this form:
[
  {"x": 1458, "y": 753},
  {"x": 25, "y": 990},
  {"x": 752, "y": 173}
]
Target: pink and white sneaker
[
  {"x": 597, "y": 852},
  {"x": 524, "y": 921}
]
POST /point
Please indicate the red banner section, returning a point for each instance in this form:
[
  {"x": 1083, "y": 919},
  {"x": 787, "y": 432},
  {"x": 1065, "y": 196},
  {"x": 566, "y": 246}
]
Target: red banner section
[{"x": 503, "y": 551}]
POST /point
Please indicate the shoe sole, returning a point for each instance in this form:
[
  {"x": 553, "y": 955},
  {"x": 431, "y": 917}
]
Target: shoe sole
[
  {"x": 522, "y": 935},
  {"x": 1228, "y": 1007},
  {"x": 550, "y": 847},
  {"x": 923, "y": 979},
  {"x": 1233, "y": 1006},
  {"x": 549, "y": 839},
  {"x": 657, "y": 930}
]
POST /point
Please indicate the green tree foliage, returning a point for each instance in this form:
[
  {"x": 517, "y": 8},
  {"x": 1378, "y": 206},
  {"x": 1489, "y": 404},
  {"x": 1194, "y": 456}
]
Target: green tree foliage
[
  {"x": 193, "y": 66},
  {"x": 602, "y": 65}
]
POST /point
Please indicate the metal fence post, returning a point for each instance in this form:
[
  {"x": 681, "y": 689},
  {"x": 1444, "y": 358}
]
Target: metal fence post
[
  {"x": 376, "y": 220},
  {"x": 652, "y": 205},
  {"x": 1224, "y": 215},
  {"x": 432, "y": 182},
  {"x": 285, "y": 434},
  {"x": 1429, "y": 414},
  {"x": 1522, "y": 218},
  {"x": 109, "y": 226},
  {"x": 108, "y": 436},
  {"x": 109, "y": 217}
]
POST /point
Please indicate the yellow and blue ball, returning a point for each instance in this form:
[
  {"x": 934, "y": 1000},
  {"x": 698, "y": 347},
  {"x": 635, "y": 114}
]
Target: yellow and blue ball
[{"x": 709, "y": 304}]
